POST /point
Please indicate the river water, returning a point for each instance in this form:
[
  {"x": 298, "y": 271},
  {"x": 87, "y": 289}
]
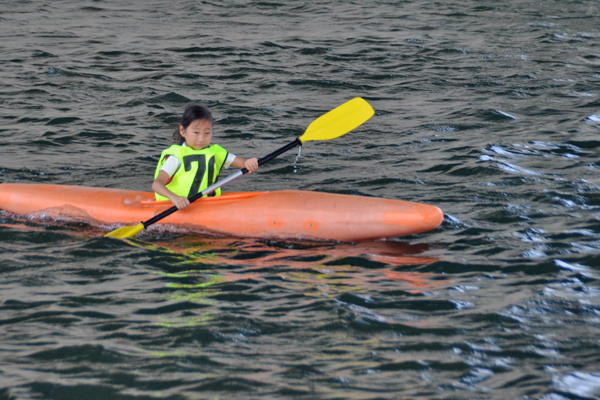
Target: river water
[{"x": 488, "y": 110}]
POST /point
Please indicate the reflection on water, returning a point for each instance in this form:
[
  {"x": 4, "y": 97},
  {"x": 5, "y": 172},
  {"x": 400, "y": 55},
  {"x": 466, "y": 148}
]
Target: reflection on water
[
  {"x": 347, "y": 267},
  {"x": 198, "y": 269}
]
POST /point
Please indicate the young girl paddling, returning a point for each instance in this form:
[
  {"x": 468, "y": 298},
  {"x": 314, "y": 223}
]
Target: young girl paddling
[{"x": 193, "y": 164}]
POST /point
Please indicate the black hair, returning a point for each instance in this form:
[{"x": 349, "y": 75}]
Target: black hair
[{"x": 191, "y": 114}]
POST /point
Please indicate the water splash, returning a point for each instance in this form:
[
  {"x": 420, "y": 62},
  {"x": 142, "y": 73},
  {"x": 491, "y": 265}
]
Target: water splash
[{"x": 297, "y": 158}]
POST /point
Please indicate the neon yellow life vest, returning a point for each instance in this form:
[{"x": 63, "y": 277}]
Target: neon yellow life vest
[{"x": 199, "y": 169}]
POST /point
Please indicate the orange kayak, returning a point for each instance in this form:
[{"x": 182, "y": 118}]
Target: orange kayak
[{"x": 286, "y": 214}]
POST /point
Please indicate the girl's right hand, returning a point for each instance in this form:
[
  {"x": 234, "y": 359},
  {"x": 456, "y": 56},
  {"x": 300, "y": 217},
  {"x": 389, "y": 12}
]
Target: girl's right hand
[{"x": 180, "y": 202}]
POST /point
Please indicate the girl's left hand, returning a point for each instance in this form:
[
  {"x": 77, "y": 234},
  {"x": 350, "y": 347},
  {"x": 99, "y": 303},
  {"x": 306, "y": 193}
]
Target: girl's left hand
[{"x": 251, "y": 165}]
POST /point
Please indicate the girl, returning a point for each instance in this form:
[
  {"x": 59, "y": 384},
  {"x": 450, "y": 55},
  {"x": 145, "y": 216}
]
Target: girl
[{"x": 193, "y": 164}]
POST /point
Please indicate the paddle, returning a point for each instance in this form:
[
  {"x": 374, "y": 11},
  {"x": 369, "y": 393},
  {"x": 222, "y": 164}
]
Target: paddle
[{"x": 335, "y": 123}]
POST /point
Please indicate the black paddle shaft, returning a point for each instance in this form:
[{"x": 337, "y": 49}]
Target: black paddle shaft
[
  {"x": 274, "y": 154},
  {"x": 243, "y": 171}
]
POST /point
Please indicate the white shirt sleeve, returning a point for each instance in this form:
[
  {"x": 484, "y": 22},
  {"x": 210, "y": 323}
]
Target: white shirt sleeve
[
  {"x": 171, "y": 165},
  {"x": 230, "y": 158}
]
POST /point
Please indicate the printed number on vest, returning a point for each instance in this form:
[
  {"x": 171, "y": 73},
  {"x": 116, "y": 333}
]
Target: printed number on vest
[{"x": 201, "y": 160}]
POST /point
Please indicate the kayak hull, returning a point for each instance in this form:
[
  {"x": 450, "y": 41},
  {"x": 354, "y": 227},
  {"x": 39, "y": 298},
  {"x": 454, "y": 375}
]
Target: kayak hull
[{"x": 286, "y": 214}]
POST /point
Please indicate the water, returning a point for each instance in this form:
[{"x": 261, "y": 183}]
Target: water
[{"x": 488, "y": 110}]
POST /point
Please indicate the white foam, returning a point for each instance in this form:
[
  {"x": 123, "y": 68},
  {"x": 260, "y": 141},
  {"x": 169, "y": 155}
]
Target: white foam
[
  {"x": 573, "y": 267},
  {"x": 582, "y": 384},
  {"x": 516, "y": 169},
  {"x": 505, "y": 114},
  {"x": 594, "y": 118},
  {"x": 500, "y": 150}
]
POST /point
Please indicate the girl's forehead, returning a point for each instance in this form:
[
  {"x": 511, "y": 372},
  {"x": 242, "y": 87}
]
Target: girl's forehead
[{"x": 201, "y": 124}]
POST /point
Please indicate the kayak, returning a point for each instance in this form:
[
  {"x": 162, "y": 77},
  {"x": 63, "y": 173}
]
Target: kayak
[{"x": 285, "y": 214}]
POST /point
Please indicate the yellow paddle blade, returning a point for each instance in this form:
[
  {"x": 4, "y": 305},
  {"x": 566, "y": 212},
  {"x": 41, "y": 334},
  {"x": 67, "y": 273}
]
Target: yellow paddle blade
[
  {"x": 339, "y": 121},
  {"x": 126, "y": 232}
]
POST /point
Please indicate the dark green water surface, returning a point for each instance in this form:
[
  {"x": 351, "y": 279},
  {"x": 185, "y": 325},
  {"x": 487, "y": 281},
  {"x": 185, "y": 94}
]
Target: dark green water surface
[{"x": 489, "y": 110}]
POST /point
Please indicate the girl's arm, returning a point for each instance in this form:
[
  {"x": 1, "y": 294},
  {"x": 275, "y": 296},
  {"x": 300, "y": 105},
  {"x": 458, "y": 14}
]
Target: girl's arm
[
  {"x": 159, "y": 186},
  {"x": 250, "y": 164}
]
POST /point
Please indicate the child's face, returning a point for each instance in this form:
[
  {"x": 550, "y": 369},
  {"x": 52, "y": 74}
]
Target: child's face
[{"x": 198, "y": 134}]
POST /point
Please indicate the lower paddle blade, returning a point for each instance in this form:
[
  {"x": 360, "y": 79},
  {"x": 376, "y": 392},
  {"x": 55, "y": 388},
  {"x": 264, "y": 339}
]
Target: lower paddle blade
[
  {"x": 126, "y": 232},
  {"x": 339, "y": 121}
]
